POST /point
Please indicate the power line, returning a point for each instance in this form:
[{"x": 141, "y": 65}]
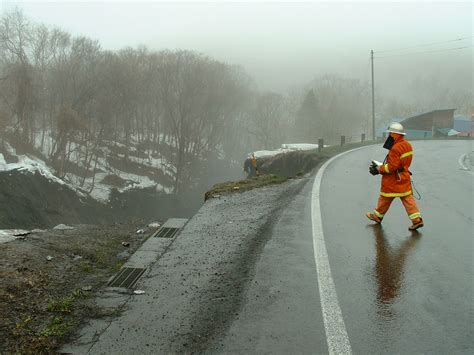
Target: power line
[
  {"x": 425, "y": 45},
  {"x": 407, "y": 54},
  {"x": 433, "y": 51}
]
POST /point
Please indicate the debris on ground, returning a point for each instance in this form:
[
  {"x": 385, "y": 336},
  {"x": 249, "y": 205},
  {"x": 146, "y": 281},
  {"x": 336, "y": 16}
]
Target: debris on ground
[
  {"x": 49, "y": 258},
  {"x": 138, "y": 292},
  {"x": 43, "y": 302},
  {"x": 63, "y": 227},
  {"x": 126, "y": 244},
  {"x": 123, "y": 255},
  {"x": 154, "y": 225}
]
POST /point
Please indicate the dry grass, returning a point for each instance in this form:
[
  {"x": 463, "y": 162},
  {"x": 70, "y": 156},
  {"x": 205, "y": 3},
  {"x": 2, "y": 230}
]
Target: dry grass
[{"x": 244, "y": 185}]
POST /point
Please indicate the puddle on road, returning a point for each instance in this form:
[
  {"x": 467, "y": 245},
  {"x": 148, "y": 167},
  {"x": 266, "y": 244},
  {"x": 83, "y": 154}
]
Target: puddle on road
[{"x": 389, "y": 269}]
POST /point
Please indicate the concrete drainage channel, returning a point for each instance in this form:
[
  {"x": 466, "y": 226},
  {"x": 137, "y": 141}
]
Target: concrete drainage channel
[
  {"x": 166, "y": 232},
  {"x": 148, "y": 253},
  {"x": 119, "y": 287},
  {"x": 127, "y": 277}
]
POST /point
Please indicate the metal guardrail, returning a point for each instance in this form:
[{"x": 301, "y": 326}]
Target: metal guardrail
[{"x": 344, "y": 140}]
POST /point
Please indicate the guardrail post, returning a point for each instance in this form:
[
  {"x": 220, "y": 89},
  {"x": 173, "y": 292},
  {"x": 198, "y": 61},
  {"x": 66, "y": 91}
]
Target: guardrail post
[
  {"x": 343, "y": 140},
  {"x": 320, "y": 144},
  {"x": 362, "y": 137}
]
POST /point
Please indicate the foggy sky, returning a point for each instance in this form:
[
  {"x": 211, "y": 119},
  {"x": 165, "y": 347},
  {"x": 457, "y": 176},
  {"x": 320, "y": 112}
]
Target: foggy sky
[{"x": 283, "y": 44}]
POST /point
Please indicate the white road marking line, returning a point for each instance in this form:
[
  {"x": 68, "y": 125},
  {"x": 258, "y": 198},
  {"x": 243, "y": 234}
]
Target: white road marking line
[
  {"x": 336, "y": 333},
  {"x": 463, "y": 166}
]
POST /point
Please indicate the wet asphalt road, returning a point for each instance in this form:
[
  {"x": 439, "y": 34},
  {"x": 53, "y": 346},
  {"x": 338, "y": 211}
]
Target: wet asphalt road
[
  {"x": 241, "y": 277},
  {"x": 280, "y": 312},
  {"x": 399, "y": 292},
  {"x": 403, "y": 292}
]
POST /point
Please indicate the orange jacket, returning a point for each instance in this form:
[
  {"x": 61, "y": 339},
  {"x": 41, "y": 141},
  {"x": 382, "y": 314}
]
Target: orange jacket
[
  {"x": 396, "y": 181},
  {"x": 254, "y": 162}
]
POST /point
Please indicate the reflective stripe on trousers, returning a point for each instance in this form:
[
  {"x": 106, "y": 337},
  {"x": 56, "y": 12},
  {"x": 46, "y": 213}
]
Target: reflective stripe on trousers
[
  {"x": 396, "y": 194},
  {"x": 408, "y": 202}
]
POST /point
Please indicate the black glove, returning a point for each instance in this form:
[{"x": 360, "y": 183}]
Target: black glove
[{"x": 373, "y": 169}]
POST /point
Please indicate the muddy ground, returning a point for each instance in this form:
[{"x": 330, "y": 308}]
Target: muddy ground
[{"x": 41, "y": 300}]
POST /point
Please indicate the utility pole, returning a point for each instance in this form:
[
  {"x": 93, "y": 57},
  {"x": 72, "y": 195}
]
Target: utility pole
[{"x": 373, "y": 95}]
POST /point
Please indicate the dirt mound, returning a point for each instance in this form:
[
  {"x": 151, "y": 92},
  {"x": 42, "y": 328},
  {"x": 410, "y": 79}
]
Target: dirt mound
[{"x": 32, "y": 201}]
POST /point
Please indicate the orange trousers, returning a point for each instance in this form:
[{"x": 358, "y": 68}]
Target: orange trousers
[{"x": 408, "y": 202}]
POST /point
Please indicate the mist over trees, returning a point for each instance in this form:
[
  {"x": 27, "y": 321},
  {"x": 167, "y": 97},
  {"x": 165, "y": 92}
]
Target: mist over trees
[
  {"x": 424, "y": 94},
  {"x": 67, "y": 96},
  {"x": 270, "y": 119},
  {"x": 344, "y": 106},
  {"x": 180, "y": 104},
  {"x": 308, "y": 118}
]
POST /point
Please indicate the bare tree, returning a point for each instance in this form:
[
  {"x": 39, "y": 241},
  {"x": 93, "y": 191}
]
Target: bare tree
[
  {"x": 343, "y": 106},
  {"x": 15, "y": 42},
  {"x": 197, "y": 98},
  {"x": 180, "y": 106},
  {"x": 268, "y": 120},
  {"x": 69, "y": 123}
]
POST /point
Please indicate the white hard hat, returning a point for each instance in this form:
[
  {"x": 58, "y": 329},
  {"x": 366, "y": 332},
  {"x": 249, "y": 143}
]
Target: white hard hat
[{"x": 396, "y": 127}]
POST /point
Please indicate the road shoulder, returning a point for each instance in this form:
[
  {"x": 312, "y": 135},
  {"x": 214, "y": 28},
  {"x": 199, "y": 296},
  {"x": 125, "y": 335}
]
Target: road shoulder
[{"x": 196, "y": 289}]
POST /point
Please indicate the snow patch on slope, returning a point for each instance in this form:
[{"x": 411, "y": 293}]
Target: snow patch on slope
[
  {"x": 92, "y": 186},
  {"x": 7, "y": 235}
]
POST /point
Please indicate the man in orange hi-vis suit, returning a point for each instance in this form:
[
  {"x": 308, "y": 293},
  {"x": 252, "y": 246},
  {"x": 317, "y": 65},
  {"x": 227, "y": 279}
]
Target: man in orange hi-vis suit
[{"x": 396, "y": 180}]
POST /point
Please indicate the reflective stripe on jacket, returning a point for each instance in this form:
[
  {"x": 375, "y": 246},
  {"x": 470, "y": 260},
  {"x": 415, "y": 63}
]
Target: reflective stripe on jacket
[{"x": 396, "y": 180}]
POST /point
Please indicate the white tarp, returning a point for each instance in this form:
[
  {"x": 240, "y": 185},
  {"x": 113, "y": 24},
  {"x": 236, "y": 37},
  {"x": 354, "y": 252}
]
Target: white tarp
[{"x": 285, "y": 148}]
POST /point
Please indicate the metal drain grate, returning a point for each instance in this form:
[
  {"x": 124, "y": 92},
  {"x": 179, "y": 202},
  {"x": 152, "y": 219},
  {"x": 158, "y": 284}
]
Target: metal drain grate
[
  {"x": 166, "y": 232},
  {"x": 127, "y": 277}
]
